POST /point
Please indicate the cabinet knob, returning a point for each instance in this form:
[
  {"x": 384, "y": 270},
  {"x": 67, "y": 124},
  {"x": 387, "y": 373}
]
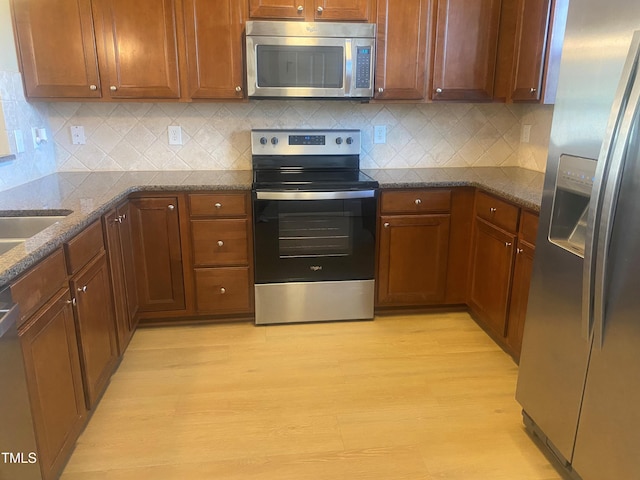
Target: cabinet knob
[
  {"x": 118, "y": 219},
  {"x": 386, "y": 224},
  {"x": 93, "y": 88},
  {"x": 223, "y": 290},
  {"x": 507, "y": 244},
  {"x": 320, "y": 10},
  {"x": 380, "y": 90},
  {"x": 418, "y": 201},
  {"x": 533, "y": 91},
  {"x": 220, "y": 243},
  {"x": 71, "y": 302},
  {"x": 438, "y": 90},
  {"x": 300, "y": 9},
  {"x": 519, "y": 250},
  {"x": 171, "y": 207},
  {"x": 238, "y": 89},
  {"x": 218, "y": 205},
  {"x": 82, "y": 289},
  {"x": 113, "y": 88},
  {"x": 493, "y": 210}
]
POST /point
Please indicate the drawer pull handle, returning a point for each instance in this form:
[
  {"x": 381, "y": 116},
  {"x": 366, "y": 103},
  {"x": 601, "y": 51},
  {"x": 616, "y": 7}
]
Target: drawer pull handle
[
  {"x": 418, "y": 201},
  {"x": 220, "y": 243},
  {"x": 507, "y": 244},
  {"x": 223, "y": 290},
  {"x": 82, "y": 289},
  {"x": 320, "y": 10},
  {"x": 218, "y": 205},
  {"x": 386, "y": 224},
  {"x": 493, "y": 210},
  {"x": 300, "y": 9},
  {"x": 171, "y": 207}
]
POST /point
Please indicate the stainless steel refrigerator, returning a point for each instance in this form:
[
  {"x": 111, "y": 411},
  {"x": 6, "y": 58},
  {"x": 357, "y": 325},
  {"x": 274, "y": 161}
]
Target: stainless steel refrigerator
[{"x": 579, "y": 380}]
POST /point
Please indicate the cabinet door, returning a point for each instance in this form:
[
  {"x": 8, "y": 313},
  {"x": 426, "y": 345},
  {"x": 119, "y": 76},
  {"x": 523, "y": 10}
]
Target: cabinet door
[
  {"x": 402, "y": 49},
  {"x": 519, "y": 296},
  {"x": 344, "y": 10},
  {"x": 96, "y": 326},
  {"x": 54, "y": 380},
  {"x": 490, "y": 277},
  {"x": 412, "y": 265},
  {"x": 465, "y": 49},
  {"x": 140, "y": 48},
  {"x": 155, "y": 229},
  {"x": 223, "y": 290},
  {"x": 56, "y": 47},
  {"x": 290, "y": 9},
  {"x": 530, "y": 47},
  {"x": 128, "y": 264},
  {"x": 214, "y": 48},
  {"x": 114, "y": 252}
]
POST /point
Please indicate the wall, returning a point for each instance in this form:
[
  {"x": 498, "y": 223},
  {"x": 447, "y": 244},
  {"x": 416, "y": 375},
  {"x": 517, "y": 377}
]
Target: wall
[
  {"x": 17, "y": 114},
  {"x": 133, "y": 136}
]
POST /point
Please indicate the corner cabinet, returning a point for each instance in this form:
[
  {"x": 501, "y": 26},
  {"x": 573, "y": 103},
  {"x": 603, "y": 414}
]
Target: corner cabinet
[
  {"x": 403, "y": 30},
  {"x": 157, "y": 252},
  {"x": 214, "y": 44},
  {"x": 313, "y": 10}
]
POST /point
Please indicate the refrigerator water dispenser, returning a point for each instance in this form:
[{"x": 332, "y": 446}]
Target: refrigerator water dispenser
[{"x": 574, "y": 183}]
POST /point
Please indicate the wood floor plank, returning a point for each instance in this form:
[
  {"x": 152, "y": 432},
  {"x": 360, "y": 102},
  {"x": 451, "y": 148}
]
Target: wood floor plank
[{"x": 418, "y": 397}]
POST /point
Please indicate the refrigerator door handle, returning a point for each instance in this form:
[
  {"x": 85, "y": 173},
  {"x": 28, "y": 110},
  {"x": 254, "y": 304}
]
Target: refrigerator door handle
[
  {"x": 602, "y": 183},
  {"x": 610, "y": 198}
]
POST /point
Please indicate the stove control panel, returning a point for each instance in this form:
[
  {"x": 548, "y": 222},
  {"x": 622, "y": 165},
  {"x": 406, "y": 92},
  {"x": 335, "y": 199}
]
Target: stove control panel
[{"x": 305, "y": 142}]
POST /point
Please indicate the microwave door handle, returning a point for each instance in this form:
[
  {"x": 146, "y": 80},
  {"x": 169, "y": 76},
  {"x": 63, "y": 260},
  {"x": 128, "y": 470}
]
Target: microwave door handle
[
  {"x": 593, "y": 253},
  {"x": 348, "y": 66}
]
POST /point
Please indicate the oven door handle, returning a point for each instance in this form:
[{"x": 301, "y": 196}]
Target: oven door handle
[{"x": 298, "y": 195}]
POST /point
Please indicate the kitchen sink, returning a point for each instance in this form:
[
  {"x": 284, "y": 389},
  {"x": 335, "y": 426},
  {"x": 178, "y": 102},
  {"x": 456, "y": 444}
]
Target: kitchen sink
[{"x": 21, "y": 228}]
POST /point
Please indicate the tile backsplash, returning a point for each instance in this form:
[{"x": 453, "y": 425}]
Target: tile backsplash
[
  {"x": 133, "y": 136},
  {"x": 20, "y": 115}
]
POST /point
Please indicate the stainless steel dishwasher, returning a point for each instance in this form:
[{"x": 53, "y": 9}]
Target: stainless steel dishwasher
[{"x": 18, "y": 457}]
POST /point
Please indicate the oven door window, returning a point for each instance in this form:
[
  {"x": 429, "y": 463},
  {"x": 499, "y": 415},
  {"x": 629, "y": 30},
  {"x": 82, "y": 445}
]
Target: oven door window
[
  {"x": 314, "y": 240},
  {"x": 287, "y": 66}
]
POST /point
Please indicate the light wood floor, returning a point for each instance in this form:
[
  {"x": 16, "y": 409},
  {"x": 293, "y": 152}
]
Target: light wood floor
[{"x": 407, "y": 397}]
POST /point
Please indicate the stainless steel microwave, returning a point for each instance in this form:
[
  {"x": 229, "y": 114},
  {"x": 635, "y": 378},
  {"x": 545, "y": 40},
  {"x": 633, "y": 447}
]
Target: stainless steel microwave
[{"x": 310, "y": 60}]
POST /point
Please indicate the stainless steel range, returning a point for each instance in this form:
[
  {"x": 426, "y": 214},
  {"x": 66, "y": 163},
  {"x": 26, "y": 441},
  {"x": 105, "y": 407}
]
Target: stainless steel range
[{"x": 314, "y": 227}]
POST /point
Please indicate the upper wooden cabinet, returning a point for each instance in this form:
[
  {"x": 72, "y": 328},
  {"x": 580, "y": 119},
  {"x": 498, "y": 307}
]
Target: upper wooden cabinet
[
  {"x": 139, "y": 43},
  {"x": 313, "y": 10},
  {"x": 466, "y": 44},
  {"x": 403, "y": 29},
  {"x": 56, "y": 48},
  {"x": 214, "y": 48}
]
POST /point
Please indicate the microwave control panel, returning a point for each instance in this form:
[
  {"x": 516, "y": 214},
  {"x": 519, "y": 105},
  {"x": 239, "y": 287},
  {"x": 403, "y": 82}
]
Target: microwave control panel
[{"x": 363, "y": 67}]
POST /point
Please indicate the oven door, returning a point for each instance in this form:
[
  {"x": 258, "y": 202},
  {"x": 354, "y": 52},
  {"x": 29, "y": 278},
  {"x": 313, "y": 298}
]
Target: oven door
[
  {"x": 314, "y": 236},
  {"x": 309, "y": 67}
]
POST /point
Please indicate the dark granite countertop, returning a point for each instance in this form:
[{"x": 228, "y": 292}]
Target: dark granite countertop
[{"x": 89, "y": 195}]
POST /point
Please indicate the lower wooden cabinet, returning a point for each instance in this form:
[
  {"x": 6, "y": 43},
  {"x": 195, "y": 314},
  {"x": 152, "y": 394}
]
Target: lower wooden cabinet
[
  {"x": 413, "y": 256},
  {"x": 54, "y": 380},
  {"x": 223, "y": 290},
  {"x": 96, "y": 327},
  {"x": 157, "y": 253},
  {"x": 119, "y": 246},
  {"x": 490, "y": 274},
  {"x": 519, "y": 296}
]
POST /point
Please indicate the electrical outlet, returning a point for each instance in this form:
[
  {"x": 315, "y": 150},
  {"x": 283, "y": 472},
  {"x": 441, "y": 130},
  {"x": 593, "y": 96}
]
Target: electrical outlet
[
  {"x": 175, "y": 135},
  {"x": 77, "y": 135},
  {"x": 380, "y": 134},
  {"x": 525, "y": 134}
]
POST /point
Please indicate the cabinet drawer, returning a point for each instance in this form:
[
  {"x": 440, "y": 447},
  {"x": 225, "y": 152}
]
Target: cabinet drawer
[
  {"x": 84, "y": 246},
  {"x": 416, "y": 201},
  {"x": 223, "y": 290},
  {"x": 218, "y": 205},
  {"x": 220, "y": 242},
  {"x": 497, "y": 212},
  {"x": 36, "y": 286},
  {"x": 529, "y": 227}
]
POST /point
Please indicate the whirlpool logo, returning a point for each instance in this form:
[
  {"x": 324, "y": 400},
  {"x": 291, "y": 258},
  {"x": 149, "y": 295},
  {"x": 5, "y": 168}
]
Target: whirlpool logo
[{"x": 315, "y": 268}]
